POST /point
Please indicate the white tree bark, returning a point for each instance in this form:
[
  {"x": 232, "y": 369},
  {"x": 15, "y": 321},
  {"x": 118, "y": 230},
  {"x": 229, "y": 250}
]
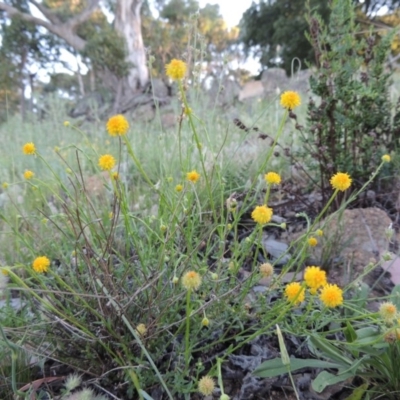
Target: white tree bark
[{"x": 128, "y": 24}]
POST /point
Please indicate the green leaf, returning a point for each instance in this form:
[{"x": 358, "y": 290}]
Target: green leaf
[
  {"x": 367, "y": 333},
  {"x": 275, "y": 367},
  {"x": 145, "y": 395},
  {"x": 284, "y": 354},
  {"x": 350, "y": 333},
  {"x": 358, "y": 393},
  {"x": 325, "y": 379},
  {"x": 395, "y": 297},
  {"x": 329, "y": 350}
]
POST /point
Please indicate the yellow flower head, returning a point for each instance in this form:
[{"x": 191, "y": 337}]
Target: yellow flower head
[
  {"x": 141, "y": 329},
  {"x": 319, "y": 232},
  {"x": 5, "y": 185},
  {"x": 262, "y": 214},
  {"x": 179, "y": 188},
  {"x": 294, "y": 292},
  {"x": 272, "y": 178},
  {"x": 386, "y": 158},
  {"x": 28, "y": 174},
  {"x": 312, "y": 241},
  {"x": 117, "y": 125},
  {"x": 191, "y": 280},
  {"x": 331, "y": 296},
  {"x": 67, "y": 124},
  {"x": 341, "y": 181},
  {"x": 266, "y": 270},
  {"x": 290, "y": 100},
  {"x": 205, "y": 321},
  {"x": 176, "y": 69},
  {"x": 41, "y": 264},
  {"x": 106, "y": 162},
  {"x": 388, "y": 311},
  {"x": 315, "y": 277},
  {"x": 206, "y": 385},
  {"x": 29, "y": 149},
  {"x": 193, "y": 176}
]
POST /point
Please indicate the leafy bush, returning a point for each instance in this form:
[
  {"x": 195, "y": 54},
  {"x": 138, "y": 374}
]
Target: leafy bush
[{"x": 350, "y": 120}]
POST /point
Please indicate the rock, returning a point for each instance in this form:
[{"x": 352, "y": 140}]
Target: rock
[
  {"x": 251, "y": 89},
  {"x": 277, "y": 250},
  {"x": 144, "y": 112},
  {"x": 88, "y": 105},
  {"x": 300, "y": 82},
  {"x": 357, "y": 237},
  {"x": 157, "y": 88},
  {"x": 224, "y": 93},
  {"x": 275, "y": 81}
]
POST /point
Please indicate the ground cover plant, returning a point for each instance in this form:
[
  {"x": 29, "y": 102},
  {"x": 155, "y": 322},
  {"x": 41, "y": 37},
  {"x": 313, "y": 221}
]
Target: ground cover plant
[{"x": 133, "y": 259}]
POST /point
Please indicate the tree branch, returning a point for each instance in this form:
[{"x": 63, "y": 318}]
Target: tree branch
[
  {"x": 12, "y": 11},
  {"x": 65, "y": 31},
  {"x": 84, "y": 15},
  {"x": 50, "y": 15}
]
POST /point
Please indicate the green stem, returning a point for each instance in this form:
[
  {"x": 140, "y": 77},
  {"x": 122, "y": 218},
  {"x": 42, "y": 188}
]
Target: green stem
[
  {"x": 198, "y": 145},
  {"x": 187, "y": 333},
  {"x": 137, "y": 338}
]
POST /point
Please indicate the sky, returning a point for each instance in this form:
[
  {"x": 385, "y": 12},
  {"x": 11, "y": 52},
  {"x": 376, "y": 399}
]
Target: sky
[{"x": 231, "y": 10}]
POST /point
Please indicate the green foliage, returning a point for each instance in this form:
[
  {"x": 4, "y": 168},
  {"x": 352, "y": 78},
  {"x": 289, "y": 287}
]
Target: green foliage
[
  {"x": 106, "y": 50},
  {"x": 283, "y": 22},
  {"x": 185, "y": 30},
  {"x": 350, "y": 122},
  {"x": 274, "y": 31},
  {"x": 370, "y": 351},
  {"x": 24, "y": 48}
]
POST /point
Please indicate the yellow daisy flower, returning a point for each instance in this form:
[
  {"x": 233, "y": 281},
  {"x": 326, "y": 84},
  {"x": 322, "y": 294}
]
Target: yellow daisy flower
[
  {"x": 29, "y": 149},
  {"x": 41, "y": 264},
  {"x": 141, "y": 329},
  {"x": 106, "y": 162},
  {"x": 262, "y": 214},
  {"x": 117, "y": 125},
  {"x": 388, "y": 310},
  {"x": 272, "y": 178},
  {"x": 314, "y": 277},
  {"x": 386, "y": 158},
  {"x": 191, "y": 280},
  {"x": 28, "y": 174},
  {"x": 331, "y": 296},
  {"x": 290, "y": 100},
  {"x": 294, "y": 292},
  {"x": 193, "y": 176},
  {"x": 312, "y": 241},
  {"x": 341, "y": 181},
  {"x": 176, "y": 69}
]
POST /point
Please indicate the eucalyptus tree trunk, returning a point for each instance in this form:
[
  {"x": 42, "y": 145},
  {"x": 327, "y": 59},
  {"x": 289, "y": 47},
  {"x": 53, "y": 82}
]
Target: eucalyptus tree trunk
[{"x": 128, "y": 25}]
